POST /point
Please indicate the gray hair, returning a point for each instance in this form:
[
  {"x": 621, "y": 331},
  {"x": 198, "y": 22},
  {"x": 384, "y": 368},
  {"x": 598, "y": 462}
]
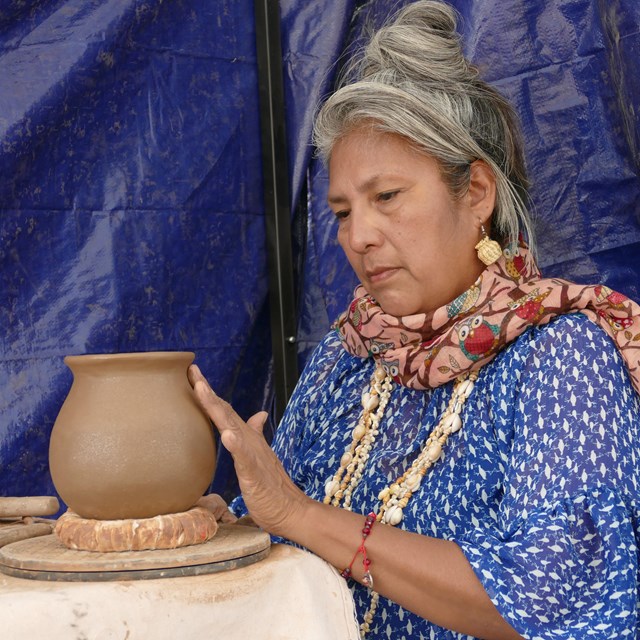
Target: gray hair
[{"x": 413, "y": 80}]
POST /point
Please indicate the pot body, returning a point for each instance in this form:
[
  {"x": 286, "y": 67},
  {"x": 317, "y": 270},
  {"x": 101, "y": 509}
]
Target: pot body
[{"x": 130, "y": 440}]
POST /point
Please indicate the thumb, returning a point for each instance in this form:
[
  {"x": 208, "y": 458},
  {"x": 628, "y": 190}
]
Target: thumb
[{"x": 257, "y": 421}]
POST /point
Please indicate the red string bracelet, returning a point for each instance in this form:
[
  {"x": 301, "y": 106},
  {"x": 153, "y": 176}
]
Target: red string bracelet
[{"x": 367, "y": 579}]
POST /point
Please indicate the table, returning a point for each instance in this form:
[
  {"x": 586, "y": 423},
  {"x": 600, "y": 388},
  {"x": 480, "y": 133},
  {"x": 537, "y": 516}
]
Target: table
[{"x": 290, "y": 595}]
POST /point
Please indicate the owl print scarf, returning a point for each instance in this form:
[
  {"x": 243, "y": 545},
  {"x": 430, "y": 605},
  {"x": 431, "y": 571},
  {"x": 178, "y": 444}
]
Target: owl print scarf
[{"x": 427, "y": 350}]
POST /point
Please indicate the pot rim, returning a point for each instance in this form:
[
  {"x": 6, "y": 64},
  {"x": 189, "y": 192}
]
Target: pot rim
[{"x": 131, "y": 355}]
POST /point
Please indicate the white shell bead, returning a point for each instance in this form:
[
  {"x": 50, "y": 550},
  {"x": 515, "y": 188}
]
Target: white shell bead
[
  {"x": 371, "y": 403},
  {"x": 453, "y": 423},
  {"x": 380, "y": 374},
  {"x": 331, "y": 487},
  {"x": 470, "y": 384},
  {"x": 358, "y": 432},
  {"x": 393, "y": 516},
  {"x": 383, "y": 494},
  {"x": 434, "y": 451},
  {"x": 460, "y": 389},
  {"x": 346, "y": 459},
  {"x": 413, "y": 482}
]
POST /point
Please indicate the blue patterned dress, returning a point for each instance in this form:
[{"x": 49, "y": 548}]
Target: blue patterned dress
[{"x": 539, "y": 488}]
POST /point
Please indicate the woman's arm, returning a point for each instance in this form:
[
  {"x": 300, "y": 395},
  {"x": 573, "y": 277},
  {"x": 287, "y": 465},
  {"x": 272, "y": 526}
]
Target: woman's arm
[{"x": 428, "y": 576}]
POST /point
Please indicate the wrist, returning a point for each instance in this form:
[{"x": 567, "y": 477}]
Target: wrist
[
  {"x": 298, "y": 524},
  {"x": 347, "y": 572}
]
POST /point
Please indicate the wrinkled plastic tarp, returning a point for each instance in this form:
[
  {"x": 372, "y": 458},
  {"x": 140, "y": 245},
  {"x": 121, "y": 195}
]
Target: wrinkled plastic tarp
[
  {"x": 570, "y": 67},
  {"x": 131, "y": 198},
  {"x": 131, "y": 188}
]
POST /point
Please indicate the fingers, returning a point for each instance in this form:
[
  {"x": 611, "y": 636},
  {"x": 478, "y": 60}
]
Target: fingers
[
  {"x": 259, "y": 473},
  {"x": 257, "y": 421},
  {"x": 247, "y": 521},
  {"x": 214, "y": 503},
  {"x": 221, "y": 412},
  {"x": 270, "y": 495},
  {"x": 194, "y": 374},
  {"x": 230, "y": 442},
  {"x": 227, "y": 421},
  {"x": 206, "y": 395}
]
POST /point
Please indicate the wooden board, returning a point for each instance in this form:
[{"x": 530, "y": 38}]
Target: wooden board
[
  {"x": 28, "y": 506},
  {"x": 13, "y": 532},
  {"x": 46, "y": 558}
]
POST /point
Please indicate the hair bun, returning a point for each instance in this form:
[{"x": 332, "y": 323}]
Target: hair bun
[
  {"x": 419, "y": 42},
  {"x": 436, "y": 16}
]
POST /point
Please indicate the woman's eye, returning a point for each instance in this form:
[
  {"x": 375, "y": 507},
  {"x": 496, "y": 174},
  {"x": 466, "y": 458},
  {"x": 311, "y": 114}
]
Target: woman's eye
[
  {"x": 386, "y": 196},
  {"x": 341, "y": 215}
]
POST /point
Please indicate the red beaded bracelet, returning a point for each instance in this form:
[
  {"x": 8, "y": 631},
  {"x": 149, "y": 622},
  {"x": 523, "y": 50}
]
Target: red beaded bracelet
[{"x": 367, "y": 579}]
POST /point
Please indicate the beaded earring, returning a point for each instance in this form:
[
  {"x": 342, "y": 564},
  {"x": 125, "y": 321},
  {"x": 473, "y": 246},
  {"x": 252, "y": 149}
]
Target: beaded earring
[{"x": 489, "y": 251}]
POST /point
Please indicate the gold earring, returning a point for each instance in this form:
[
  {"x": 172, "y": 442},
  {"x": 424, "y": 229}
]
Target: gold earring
[{"x": 488, "y": 250}]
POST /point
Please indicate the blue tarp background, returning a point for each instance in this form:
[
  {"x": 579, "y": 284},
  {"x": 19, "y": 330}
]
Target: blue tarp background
[{"x": 131, "y": 213}]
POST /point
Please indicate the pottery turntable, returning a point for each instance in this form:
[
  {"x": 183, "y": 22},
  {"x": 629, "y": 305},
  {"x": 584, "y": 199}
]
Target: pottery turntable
[
  {"x": 46, "y": 558},
  {"x": 131, "y": 454}
]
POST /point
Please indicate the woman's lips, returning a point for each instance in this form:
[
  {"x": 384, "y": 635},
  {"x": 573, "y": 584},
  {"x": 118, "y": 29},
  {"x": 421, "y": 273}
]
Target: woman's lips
[{"x": 380, "y": 274}]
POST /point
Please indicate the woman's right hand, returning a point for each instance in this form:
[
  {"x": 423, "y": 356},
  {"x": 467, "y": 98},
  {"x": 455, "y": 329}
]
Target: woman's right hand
[{"x": 274, "y": 502}]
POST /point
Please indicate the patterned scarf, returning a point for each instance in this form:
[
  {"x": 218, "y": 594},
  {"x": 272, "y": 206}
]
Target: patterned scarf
[{"x": 427, "y": 350}]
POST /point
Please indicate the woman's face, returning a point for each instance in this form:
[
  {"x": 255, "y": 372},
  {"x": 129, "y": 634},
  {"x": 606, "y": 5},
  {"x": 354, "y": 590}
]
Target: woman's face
[{"x": 410, "y": 243}]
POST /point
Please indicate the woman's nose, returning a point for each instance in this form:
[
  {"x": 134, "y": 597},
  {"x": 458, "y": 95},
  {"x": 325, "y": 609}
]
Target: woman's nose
[{"x": 364, "y": 233}]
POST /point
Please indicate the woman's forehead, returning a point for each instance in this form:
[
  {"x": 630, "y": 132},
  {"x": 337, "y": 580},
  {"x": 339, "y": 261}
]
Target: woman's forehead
[{"x": 365, "y": 157}]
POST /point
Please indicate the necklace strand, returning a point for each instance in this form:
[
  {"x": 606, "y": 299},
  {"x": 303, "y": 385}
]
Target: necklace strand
[
  {"x": 395, "y": 497},
  {"x": 354, "y": 459}
]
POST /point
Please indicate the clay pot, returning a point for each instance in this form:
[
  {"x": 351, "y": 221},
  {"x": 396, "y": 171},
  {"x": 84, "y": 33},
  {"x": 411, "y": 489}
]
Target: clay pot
[{"x": 130, "y": 440}]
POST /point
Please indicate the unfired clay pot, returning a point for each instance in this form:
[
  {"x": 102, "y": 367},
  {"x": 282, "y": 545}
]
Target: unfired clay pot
[{"x": 130, "y": 440}]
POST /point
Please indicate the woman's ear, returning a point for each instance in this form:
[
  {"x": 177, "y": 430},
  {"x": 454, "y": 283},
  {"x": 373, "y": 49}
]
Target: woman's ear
[{"x": 482, "y": 191}]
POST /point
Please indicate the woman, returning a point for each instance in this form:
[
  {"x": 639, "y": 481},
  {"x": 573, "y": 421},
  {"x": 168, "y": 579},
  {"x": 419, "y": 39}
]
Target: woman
[{"x": 486, "y": 418}]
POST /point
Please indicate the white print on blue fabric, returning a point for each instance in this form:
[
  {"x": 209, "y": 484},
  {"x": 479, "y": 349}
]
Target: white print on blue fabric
[{"x": 539, "y": 488}]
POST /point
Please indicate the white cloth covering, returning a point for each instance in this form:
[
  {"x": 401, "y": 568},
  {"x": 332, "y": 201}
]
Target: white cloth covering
[{"x": 291, "y": 595}]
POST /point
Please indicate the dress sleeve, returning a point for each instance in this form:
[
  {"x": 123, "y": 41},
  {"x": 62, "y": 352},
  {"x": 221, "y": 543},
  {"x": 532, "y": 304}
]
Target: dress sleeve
[{"x": 562, "y": 561}]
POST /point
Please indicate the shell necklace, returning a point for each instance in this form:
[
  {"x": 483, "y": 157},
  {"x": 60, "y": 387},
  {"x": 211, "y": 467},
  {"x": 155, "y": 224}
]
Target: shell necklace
[{"x": 395, "y": 497}]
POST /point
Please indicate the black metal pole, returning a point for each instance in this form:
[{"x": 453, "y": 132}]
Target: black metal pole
[{"x": 276, "y": 201}]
